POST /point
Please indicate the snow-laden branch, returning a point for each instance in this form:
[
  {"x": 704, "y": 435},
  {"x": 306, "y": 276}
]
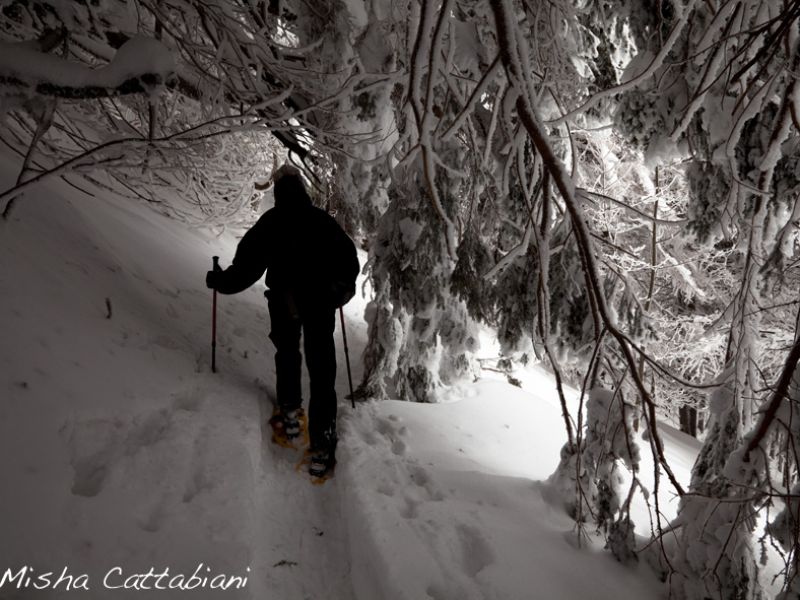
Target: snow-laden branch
[
  {"x": 513, "y": 254},
  {"x": 779, "y": 396},
  {"x": 139, "y": 66},
  {"x": 91, "y": 155},
  {"x": 639, "y": 79},
  {"x": 514, "y": 52},
  {"x": 711, "y": 74},
  {"x": 474, "y": 98},
  {"x": 650, "y": 218}
]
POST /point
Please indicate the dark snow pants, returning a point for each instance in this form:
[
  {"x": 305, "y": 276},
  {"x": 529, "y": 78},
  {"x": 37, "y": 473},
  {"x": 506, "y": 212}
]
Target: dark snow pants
[{"x": 287, "y": 318}]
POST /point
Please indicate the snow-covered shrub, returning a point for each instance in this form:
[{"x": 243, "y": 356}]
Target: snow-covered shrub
[
  {"x": 589, "y": 482},
  {"x": 432, "y": 334},
  {"x": 715, "y": 551},
  {"x": 785, "y": 530}
]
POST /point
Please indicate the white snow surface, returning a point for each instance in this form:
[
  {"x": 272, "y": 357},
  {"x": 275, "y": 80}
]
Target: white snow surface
[{"x": 119, "y": 447}]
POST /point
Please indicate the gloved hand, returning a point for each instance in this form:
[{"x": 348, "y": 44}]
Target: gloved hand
[
  {"x": 340, "y": 293},
  {"x": 212, "y": 277}
]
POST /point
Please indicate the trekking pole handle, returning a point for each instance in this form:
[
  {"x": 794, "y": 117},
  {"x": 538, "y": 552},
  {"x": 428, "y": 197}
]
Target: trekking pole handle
[{"x": 215, "y": 259}]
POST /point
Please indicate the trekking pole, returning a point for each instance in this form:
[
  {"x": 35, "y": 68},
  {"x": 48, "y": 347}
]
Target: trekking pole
[
  {"x": 347, "y": 360},
  {"x": 214, "y": 322}
]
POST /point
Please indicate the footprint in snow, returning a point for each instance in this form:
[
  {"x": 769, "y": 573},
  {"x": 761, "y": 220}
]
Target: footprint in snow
[
  {"x": 409, "y": 510},
  {"x": 388, "y": 429},
  {"x": 154, "y": 518},
  {"x": 190, "y": 401},
  {"x": 386, "y": 489},
  {"x": 148, "y": 430},
  {"x": 399, "y": 448},
  {"x": 199, "y": 480},
  {"x": 476, "y": 554},
  {"x": 95, "y": 445},
  {"x": 437, "y": 591},
  {"x": 384, "y": 427},
  {"x": 421, "y": 478}
]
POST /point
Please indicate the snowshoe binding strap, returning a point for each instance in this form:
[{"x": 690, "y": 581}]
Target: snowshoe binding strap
[
  {"x": 289, "y": 429},
  {"x": 320, "y": 467}
]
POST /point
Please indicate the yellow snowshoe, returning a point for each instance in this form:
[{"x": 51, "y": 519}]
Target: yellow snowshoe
[{"x": 290, "y": 428}]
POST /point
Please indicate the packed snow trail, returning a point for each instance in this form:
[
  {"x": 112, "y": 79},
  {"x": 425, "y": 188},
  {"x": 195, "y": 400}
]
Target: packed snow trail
[{"x": 117, "y": 445}]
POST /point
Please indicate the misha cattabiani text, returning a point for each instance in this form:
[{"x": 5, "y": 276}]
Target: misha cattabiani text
[{"x": 116, "y": 578}]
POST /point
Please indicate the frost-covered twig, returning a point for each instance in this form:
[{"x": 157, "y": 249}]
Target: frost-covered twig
[
  {"x": 92, "y": 153},
  {"x": 633, "y": 209}
]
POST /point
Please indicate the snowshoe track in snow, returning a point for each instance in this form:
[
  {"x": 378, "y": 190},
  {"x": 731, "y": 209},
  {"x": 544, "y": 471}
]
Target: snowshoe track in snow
[
  {"x": 143, "y": 457},
  {"x": 97, "y": 444}
]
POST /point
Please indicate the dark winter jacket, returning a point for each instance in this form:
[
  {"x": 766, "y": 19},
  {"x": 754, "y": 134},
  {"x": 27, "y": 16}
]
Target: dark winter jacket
[{"x": 304, "y": 251}]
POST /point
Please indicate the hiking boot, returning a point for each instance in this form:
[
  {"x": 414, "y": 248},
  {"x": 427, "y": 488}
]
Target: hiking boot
[
  {"x": 288, "y": 427},
  {"x": 294, "y": 422},
  {"x": 321, "y": 463}
]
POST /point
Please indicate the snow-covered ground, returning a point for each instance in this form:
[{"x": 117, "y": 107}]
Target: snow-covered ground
[{"x": 119, "y": 447}]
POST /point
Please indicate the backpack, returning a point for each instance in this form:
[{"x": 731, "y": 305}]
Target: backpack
[{"x": 343, "y": 268}]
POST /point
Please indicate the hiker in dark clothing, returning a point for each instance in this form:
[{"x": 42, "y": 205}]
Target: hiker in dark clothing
[{"x": 311, "y": 267}]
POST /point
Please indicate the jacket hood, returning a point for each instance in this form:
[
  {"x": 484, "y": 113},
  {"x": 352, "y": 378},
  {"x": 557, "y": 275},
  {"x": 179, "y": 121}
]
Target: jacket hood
[{"x": 290, "y": 191}]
